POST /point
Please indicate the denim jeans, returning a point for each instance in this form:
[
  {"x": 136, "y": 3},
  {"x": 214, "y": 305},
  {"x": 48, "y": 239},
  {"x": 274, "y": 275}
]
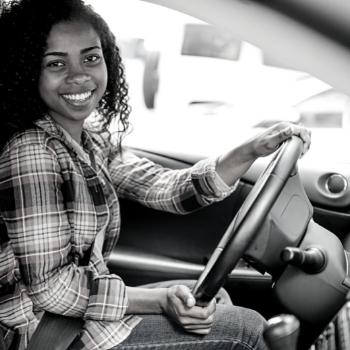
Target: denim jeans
[{"x": 234, "y": 328}]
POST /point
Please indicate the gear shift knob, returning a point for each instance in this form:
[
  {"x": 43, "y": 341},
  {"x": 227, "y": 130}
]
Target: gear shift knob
[{"x": 282, "y": 332}]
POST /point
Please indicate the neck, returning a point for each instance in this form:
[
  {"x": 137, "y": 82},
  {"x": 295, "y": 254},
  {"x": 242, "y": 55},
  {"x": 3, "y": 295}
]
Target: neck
[
  {"x": 74, "y": 128},
  {"x": 76, "y": 135},
  {"x": 74, "y": 131}
]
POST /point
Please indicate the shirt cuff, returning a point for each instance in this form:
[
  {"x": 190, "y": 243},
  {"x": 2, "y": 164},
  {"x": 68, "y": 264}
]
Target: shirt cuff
[
  {"x": 108, "y": 300},
  {"x": 208, "y": 182}
]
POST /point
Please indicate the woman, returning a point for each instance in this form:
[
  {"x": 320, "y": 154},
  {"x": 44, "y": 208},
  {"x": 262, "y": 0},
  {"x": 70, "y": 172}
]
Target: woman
[{"x": 60, "y": 179}]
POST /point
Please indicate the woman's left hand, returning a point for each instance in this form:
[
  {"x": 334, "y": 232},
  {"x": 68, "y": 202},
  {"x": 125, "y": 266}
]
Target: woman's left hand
[
  {"x": 268, "y": 141},
  {"x": 232, "y": 165}
]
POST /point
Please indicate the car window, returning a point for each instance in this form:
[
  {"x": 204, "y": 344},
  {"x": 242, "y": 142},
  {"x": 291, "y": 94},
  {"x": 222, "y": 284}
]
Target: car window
[{"x": 188, "y": 78}]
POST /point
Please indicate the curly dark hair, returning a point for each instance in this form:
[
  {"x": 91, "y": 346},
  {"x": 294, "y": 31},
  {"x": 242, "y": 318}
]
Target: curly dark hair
[{"x": 24, "y": 29}]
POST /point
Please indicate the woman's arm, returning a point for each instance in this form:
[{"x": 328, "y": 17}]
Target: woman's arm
[
  {"x": 178, "y": 191},
  {"x": 232, "y": 165},
  {"x": 146, "y": 300},
  {"x": 16, "y": 311},
  {"x": 185, "y": 190}
]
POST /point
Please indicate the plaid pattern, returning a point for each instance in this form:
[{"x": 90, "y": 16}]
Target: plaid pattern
[
  {"x": 16, "y": 308},
  {"x": 53, "y": 201}
]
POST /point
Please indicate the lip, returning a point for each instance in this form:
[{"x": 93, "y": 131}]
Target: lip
[{"x": 78, "y": 99}]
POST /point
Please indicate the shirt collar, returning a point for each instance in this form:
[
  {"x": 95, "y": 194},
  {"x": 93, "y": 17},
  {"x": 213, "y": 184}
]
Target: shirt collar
[{"x": 48, "y": 124}]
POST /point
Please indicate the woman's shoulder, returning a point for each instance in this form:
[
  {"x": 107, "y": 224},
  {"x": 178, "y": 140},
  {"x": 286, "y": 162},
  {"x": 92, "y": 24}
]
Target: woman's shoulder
[{"x": 30, "y": 138}]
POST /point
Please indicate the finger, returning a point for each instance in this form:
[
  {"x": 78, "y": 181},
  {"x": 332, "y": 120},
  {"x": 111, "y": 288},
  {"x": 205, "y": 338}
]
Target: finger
[
  {"x": 193, "y": 322},
  {"x": 280, "y": 136},
  {"x": 203, "y": 331},
  {"x": 305, "y": 136},
  {"x": 185, "y": 295},
  {"x": 202, "y": 314},
  {"x": 197, "y": 327},
  {"x": 272, "y": 142},
  {"x": 279, "y": 127},
  {"x": 301, "y": 132},
  {"x": 211, "y": 308}
]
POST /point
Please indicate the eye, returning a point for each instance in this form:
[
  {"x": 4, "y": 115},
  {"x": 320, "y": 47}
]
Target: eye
[
  {"x": 55, "y": 65},
  {"x": 93, "y": 58}
]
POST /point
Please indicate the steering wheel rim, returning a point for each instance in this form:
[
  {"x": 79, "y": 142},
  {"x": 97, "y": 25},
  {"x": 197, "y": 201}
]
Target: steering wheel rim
[{"x": 244, "y": 227}]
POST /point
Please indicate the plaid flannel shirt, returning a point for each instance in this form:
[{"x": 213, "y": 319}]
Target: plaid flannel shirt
[
  {"x": 54, "y": 199},
  {"x": 16, "y": 308}
]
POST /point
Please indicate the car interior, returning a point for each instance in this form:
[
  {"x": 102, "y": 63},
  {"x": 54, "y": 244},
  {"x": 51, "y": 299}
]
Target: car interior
[{"x": 279, "y": 243}]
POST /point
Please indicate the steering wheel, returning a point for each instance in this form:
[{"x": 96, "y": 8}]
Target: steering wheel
[{"x": 244, "y": 228}]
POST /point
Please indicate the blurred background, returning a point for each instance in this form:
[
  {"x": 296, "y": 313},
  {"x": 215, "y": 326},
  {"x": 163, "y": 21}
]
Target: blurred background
[{"x": 186, "y": 76}]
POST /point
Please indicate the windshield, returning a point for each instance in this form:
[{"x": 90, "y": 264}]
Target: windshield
[{"x": 186, "y": 76}]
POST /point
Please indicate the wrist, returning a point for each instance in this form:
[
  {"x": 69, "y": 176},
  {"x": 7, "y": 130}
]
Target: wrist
[
  {"x": 163, "y": 300},
  {"x": 146, "y": 300},
  {"x": 233, "y": 165}
]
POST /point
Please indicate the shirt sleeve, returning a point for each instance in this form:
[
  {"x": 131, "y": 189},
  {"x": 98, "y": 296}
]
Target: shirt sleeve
[
  {"x": 36, "y": 220},
  {"x": 178, "y": 191},
  {"x": 16, "y": 308}
]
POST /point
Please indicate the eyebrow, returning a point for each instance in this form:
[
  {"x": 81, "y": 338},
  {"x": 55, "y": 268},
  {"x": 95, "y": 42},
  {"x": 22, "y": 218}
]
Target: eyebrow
[{"x": 63, "y": 54}]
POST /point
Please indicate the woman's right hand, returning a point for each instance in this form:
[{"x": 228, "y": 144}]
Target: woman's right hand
[{"x": 181, "y": 306}]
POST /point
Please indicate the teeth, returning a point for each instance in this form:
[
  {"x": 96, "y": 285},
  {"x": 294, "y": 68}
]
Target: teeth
[{"x": 78, "y": 97}]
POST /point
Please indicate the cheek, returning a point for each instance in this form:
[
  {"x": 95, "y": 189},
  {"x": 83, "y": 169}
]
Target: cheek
[
  {"x": 47, "y": 85},
  {"x": 42, "y": 88},
  {"x": 102, "y": 78}
]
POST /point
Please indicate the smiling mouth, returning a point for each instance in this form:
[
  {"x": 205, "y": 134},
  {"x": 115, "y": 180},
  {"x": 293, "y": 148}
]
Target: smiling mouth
[{"x": 77, "y": 99}]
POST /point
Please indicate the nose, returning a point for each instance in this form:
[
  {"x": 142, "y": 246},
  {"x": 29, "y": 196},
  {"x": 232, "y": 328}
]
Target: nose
[{"x": 77, "y": 76}]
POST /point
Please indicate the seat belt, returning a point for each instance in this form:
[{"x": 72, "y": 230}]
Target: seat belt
[
  {"x": 55, "y": 332},
  {"x": 58, "y": 332}
]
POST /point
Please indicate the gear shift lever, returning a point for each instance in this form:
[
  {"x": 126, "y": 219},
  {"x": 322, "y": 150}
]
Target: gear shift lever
[{"x": 282, "y": 332}]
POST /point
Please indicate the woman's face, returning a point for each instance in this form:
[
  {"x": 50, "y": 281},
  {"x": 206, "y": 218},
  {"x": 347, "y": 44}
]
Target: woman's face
[{"x": 73, "y": 76}]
